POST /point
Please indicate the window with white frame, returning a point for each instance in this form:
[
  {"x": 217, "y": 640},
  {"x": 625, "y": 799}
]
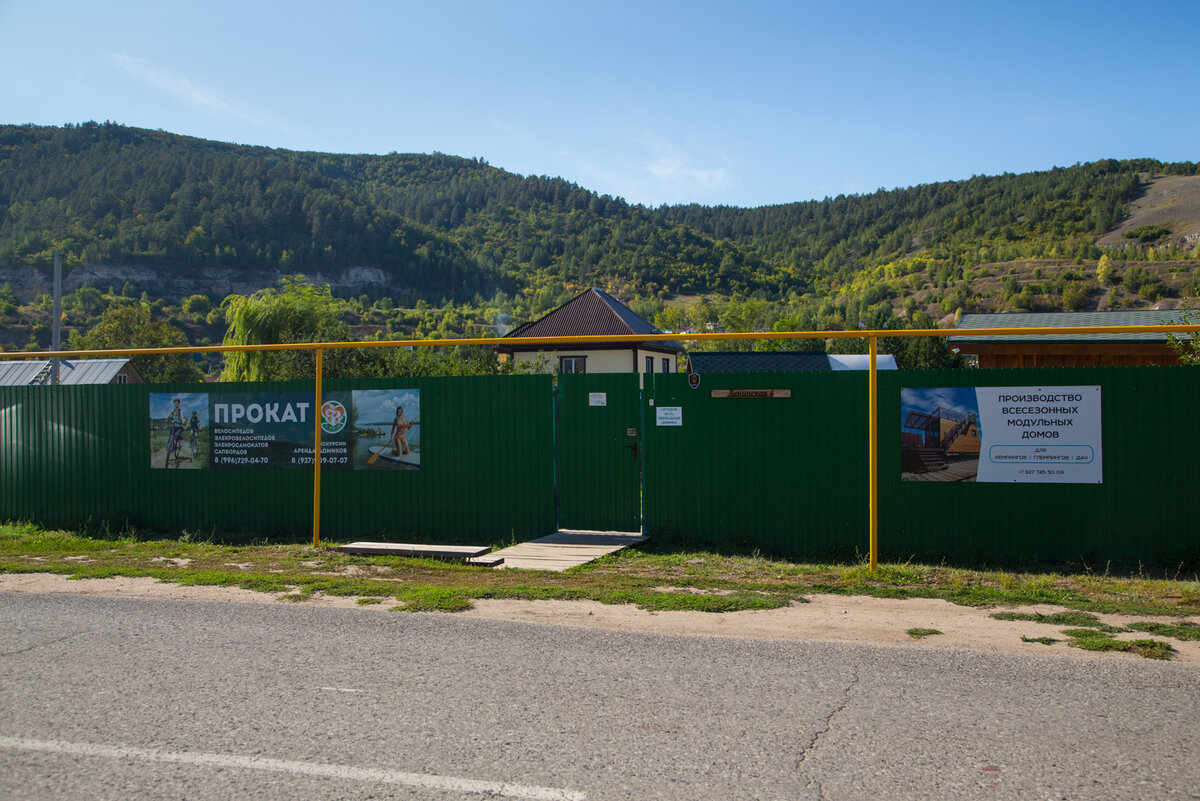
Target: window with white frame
[{"x": 572, "y": 364}]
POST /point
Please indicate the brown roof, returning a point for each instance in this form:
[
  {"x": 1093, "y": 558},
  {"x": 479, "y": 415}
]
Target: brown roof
[{"x": 594, "y": 312}]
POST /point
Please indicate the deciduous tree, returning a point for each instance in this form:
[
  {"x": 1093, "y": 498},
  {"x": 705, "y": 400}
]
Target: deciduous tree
[{"x": 129, "y": 325}]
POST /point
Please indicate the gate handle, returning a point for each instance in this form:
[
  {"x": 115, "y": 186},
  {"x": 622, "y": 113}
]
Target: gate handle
[{"x": 633, "y": 446}]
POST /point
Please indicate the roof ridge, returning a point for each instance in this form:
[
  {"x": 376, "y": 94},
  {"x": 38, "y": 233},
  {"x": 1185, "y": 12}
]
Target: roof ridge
[
  {"x": 593, "y": 312},
  {"x": 616, "y": 309}
]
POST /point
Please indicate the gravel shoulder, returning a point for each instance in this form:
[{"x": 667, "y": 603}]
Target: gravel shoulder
[{"x": 829, "y": 618}]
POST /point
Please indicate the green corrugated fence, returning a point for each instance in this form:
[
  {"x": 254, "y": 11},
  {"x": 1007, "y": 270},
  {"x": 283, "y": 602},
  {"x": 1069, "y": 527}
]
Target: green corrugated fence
[
  {"x": 784, "y": 474},
  {"x": 788, "y": 475},
  {"x": 78, "y": 455},
  {"x": 1146, "y": 509}
]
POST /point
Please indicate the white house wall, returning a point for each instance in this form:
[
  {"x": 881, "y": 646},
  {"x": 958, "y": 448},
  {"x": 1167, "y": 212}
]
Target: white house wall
[
  {"x": 658, "y": 357},
  {"x": 601, "y": 361}
]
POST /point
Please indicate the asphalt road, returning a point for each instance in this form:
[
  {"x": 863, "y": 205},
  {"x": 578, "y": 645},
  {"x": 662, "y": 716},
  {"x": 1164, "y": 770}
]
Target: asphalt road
[{"x": 105, "y": 698}]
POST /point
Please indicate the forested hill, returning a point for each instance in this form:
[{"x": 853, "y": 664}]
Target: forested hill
[
  {"x": 446, "y": 227},
  {"x": 439, "y": 225},
  {"x": 107, "y": 193}
]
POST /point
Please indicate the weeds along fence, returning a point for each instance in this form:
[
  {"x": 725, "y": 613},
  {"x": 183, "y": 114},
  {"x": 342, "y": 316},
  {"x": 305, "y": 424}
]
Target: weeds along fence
[{"x": 776, "y": 461}]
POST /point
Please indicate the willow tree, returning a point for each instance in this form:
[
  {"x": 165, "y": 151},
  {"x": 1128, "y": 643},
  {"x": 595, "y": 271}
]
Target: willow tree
[{"x": 298, "y": 311}]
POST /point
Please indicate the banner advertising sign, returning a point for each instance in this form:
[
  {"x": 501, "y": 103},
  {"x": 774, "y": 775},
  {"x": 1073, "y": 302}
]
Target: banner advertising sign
[
  {"x": 1001, "y": 434},
  {"x": 364, "y": 429}
]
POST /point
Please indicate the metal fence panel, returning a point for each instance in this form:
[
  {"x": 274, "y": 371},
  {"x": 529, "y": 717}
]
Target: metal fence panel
[
  {"x": 1145, "y": 509},
  {"x": 486, "y": 469},
  {"x": 784, "y": 474},
  {"x": 78, "y": 455},
  {"x": 599, "y": 459}
]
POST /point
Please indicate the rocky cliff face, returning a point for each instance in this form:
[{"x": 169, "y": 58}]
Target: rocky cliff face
[{"x": 175, "y": 283}]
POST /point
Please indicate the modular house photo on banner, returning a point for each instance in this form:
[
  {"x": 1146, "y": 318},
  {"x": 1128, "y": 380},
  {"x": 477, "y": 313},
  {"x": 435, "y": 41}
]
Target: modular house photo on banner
[{"x": 1001, "y": 434}]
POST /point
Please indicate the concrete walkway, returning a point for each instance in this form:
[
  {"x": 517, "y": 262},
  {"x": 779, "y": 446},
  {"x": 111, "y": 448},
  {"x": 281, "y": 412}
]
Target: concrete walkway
[{"x": 565, "y": 549}]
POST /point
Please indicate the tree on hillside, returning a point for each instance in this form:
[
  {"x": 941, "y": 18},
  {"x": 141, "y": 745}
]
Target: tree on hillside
[
  {"x": 911, "y": 353},
  {"x": 129, "y": 325},
  {"x": 8, "y": 301},
  {"x": 300, "y": 311}
]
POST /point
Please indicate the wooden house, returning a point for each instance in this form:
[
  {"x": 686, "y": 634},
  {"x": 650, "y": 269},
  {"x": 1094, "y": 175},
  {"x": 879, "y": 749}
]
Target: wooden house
[
  {"x": 931, "y": 439},
  {"x": 1068, "y": 350}
]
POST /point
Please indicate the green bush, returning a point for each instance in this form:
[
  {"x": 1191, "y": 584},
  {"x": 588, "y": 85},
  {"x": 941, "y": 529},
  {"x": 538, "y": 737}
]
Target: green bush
[
  {"x": 197, "y": 304},
  {"x": 1075, "y": 296},
  {"x": 1148, "y": 233}
]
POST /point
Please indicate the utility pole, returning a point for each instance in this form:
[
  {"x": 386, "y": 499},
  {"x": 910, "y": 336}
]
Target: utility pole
[{"x": 56, "y": 321}]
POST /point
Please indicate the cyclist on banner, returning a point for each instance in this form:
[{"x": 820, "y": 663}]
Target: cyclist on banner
[
  {"x": 175, "y": 435},
  {"x": 193, "y": 432}
]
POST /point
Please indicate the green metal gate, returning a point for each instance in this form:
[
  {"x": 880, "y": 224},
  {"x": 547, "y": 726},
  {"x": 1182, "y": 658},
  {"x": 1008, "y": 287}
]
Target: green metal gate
[{"x": 599, "y": 458}]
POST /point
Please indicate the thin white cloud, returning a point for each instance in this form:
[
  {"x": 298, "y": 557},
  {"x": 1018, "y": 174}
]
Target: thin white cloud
[
  {"x": 519, "y": 134},
  {"x": 674, "y": 170},
  {"x": 197, "y": 95},
  {"x": 649, "y": 169}
]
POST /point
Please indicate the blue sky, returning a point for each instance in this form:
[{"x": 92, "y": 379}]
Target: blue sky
[
  {"x": 745, "y": 103},
  {"x": 378, "y": 406},
  {"x": 161, "y": 404},
  {"x": 928, "y": 399}
]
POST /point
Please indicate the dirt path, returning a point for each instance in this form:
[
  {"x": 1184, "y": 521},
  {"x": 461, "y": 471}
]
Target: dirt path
[{"x": 834, "y": 618}]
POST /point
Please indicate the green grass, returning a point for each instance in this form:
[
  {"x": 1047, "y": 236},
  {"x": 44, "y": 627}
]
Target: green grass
[
  {"x": 1091, "y": 634},
  {"x": 1079, "y": 619},
  {"x": 431, "y": 599},
  {"x": 655, "y": 579},
  {"x": 1178, "y": 631},
  {"x": 1093, "y": 640},
  {"x": 918, "y": 633}
]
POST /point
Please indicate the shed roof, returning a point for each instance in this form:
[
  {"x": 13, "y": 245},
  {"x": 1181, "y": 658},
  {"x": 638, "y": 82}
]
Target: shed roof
[
  {"x": 783, "y": 361},
  {"x": 594, "y": 312},
  {"x": 1062, "y": 319},
  {"x": 15, "y": 374},
  {"x": 70, "y": 371},
  {"x": 757, "y": 362},
  {"x": 861, "y": 361}
]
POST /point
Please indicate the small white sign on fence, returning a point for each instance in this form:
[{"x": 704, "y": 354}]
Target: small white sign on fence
[{"x": 668, "y": 415}]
